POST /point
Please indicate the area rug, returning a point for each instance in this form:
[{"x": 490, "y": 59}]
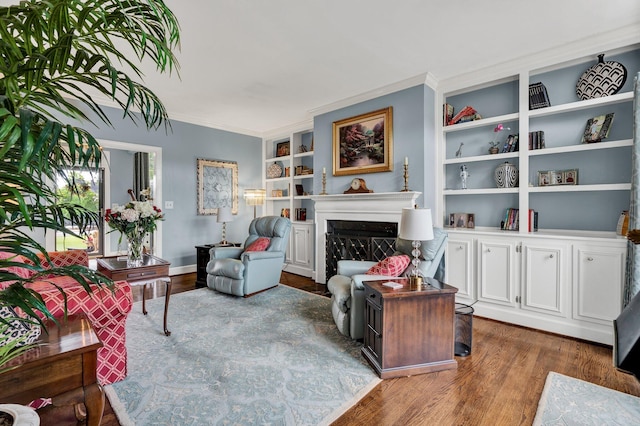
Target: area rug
[
  {"x": 272, "y": 359},
  {"x": 569, "y": 401}
]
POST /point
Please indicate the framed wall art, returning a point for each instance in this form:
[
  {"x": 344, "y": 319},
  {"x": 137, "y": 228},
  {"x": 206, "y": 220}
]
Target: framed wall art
[
  {"x": 282, "y": 149},
  {"x": 363, "y": 144},
  {"x": 217, "y": 183}
]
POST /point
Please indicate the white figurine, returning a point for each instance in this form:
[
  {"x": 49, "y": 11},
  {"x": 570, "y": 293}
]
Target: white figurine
[{"x": 464, "y": 174}]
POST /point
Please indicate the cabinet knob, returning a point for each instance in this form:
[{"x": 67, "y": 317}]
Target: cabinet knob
[
  {"x": 590, "y": 259},
  {"x": 459, "y": 247},
  {"x": 550, "y": 256},
  {"x": 488, "y": 250}
]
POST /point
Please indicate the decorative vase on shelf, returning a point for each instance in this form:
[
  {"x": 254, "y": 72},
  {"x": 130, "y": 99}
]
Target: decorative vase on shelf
[{"x": 506, "y": 175}]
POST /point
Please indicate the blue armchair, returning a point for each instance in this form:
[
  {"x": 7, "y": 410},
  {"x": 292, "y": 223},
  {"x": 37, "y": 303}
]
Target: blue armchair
[
  {"x": 347, "y": 290},
  {"x": 233, "y": 270}
]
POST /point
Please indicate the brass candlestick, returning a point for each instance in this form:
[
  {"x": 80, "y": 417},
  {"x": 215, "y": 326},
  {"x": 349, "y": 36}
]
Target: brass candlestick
[
  {"x": 406, "y": 178},
  {"x": 324, "y": 183}
]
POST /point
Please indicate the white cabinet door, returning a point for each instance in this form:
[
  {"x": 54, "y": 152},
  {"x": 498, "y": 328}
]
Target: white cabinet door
[
  {"x": 301, "y": 251},
  {"x": 459, "y": 266},
  {"x": 545, "y": 268},
  {"x": 497, "y": 271},
  {"x": 598, "y": 282}
]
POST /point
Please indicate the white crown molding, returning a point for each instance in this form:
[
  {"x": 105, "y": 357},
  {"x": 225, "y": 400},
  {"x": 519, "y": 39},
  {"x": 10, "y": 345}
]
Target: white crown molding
[
  {"x": 426, "y": 78},
  {"x": 301, "y": 126},
  {"x": 576, "y": 52}
]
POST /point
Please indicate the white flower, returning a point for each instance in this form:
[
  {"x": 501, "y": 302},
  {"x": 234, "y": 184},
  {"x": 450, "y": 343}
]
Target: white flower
[{"x": 130, "y": 215}]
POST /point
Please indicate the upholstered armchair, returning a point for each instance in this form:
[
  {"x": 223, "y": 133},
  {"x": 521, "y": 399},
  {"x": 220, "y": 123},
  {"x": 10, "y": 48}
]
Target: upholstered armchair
[
  {"x": 347, "y": 290},
  {"x": 244, "y": 271}
]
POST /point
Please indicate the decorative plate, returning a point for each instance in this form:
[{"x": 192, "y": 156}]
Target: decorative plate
[
  {"x": 274, "y": 171},
  {"x": 603, "y": 79}
]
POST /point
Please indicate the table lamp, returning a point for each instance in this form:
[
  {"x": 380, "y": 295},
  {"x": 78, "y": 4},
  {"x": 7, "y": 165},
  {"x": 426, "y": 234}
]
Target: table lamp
[
  {"x": 254, "y": 197},
  {"x": 416, "y": 225},
  {"x": 224, "y": 216}
]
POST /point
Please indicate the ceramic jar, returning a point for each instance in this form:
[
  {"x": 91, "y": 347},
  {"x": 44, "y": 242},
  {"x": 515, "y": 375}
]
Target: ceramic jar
[{"x": 506, "y": 175}]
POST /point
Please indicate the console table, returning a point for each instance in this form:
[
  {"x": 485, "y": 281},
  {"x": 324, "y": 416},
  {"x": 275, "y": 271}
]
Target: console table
[
  {"x": 152, "y": 269},
  {"x": 409, "y": 331},
  {"x": 64, "y": 362}
]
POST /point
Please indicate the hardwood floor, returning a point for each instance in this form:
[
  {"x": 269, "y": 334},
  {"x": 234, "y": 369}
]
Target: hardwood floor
[{"x": 498, "y": 384}]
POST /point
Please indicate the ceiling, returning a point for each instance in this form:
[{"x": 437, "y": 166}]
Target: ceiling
[{"x": 254, "y": 66}]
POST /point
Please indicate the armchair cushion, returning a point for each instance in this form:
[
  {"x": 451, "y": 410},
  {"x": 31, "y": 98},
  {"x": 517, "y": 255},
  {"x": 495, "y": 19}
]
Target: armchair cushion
[
  {"x": 232, "y": 268},
  {"x": 391, "y": 266},
  {"x": 260, "y": 244}
]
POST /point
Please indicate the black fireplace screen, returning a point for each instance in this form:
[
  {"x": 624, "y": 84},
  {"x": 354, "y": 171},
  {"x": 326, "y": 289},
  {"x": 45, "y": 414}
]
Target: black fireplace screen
[{"x": 358, "y": 240}]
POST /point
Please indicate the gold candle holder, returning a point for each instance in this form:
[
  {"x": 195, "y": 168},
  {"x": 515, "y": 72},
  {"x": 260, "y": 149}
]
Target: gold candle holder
[
  {"x": 324, "y": 183},
  {"x": 406, "y": 178}
]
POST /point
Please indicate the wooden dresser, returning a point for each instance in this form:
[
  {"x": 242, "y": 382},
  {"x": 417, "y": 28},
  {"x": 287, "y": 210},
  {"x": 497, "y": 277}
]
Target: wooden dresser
[{"x": 409, "y": 331}]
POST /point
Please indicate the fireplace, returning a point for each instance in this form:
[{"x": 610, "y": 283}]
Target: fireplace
[
  {"x": 358, "y": 240},
  {"x": 385, "y": 208}
]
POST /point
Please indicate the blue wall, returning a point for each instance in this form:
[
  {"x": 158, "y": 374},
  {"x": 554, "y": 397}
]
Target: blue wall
[
  {"x": 413, "y": 133},
  {"x": 181, "y": 147}
]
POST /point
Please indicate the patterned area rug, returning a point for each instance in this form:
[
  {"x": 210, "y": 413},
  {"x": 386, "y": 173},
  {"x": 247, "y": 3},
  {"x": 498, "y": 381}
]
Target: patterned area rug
[
  {"x": 569, "y": 401},
  {"x": 275, "y": 358}
]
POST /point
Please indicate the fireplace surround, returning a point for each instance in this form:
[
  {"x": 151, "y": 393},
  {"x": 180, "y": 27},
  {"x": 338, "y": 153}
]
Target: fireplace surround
[{"x": 383, "y": 207}]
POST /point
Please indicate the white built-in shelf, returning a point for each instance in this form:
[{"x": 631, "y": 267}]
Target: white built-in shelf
[
  {"x": 486, "y": 157},
  {"x": 480, "y": 191},
  {"x": 480, "y": 123},
  {"x": 582, "y": 188},
  {"x": 279, "y": 179},
  {"x": 277, "y": 198},
  {"x": 309, "y": 176},
  {"x": 579, "y": 105},
  {"x": 283, "y": 158},
  {"x": 582, "y": 147},
  {"x": 303, "y": 154},
  {"x": 302, "y": 197}
]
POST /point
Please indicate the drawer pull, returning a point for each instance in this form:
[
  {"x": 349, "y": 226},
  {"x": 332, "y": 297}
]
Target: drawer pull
[
  {"x": 373, "y": 296},
  {"x": 590, "y": 259}
]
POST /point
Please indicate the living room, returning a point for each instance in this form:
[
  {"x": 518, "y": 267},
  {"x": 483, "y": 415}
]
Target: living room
[{"x": 418, "y": 137}]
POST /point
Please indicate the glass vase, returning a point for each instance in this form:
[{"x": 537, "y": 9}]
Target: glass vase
[{"x": 135, "y": 249}]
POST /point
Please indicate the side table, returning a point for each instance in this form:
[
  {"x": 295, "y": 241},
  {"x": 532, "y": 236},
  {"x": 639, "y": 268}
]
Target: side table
[
  {"x": 409, "y": 331},
  {"x": 65, "y": 361},
  {"x": 202, "y": 258},
  {"x": 152, "y": 269}
]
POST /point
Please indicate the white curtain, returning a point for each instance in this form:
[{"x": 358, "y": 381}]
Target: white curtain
[{"x": 632, "y": 279}]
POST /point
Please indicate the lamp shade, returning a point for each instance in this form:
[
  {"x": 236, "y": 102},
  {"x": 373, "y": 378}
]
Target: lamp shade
[
  {"x": 416, "y": 225},
  {"x": 254, "y": 197},
  {"x": 224, "y": 215}
]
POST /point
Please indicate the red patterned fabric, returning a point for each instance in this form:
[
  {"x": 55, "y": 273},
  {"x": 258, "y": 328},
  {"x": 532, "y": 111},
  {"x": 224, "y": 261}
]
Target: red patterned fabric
[
  {"x": 260, "y": 244},
  {"x": 21, "y": 272},
  {"x": 391, "y": 266},
  {"x": 106, "y": 310}
]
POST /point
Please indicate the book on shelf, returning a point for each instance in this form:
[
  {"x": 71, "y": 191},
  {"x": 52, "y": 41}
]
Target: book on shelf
[
  {"x": 447, "y": 113},
  {"x": 511, "y": 220},
  {"x": 463, "y": 113},
  {"x": 511, "y": 144},
  {"x": 538, "y": 97},
  {"x": 533, "y": 220},
  {"x": 536, "y": 140}
]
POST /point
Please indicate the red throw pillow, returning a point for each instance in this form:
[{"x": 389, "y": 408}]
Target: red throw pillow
[
  {"x": 391, "y": 266},
  {"x": 260, "y": 244}
]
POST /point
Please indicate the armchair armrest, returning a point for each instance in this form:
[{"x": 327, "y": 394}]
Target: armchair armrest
[
  {"x": 225, "y": 252},
  {"x": 353, "y": 267},
  {"x": 258, "y": 255}
]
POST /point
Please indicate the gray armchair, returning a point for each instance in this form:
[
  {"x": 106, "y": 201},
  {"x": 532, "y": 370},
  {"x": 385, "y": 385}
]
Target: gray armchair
[
  {"x": 234, "y": 271},
  {"x": 347, "y": 290}
]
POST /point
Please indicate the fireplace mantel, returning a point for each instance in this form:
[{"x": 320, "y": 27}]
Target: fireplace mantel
[{"x": 374, "y": 207}]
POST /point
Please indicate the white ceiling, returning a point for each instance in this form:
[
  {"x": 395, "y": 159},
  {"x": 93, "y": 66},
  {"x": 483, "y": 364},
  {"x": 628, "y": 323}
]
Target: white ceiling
[{"x": 254, "y": 66}]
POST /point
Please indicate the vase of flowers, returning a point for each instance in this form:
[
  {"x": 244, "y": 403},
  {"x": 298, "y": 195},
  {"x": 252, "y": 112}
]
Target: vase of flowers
[
  {"x": 134, "y": 220},
  {"x": 496, "y": 142}
]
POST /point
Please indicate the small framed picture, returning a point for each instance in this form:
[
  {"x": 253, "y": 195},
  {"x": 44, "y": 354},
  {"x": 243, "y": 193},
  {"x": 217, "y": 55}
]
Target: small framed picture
[
  {"x": 282, "y": 149},
  {"x": 570, "y": 177},
  {"x": 299, "y": 189},
  {"x": 555, "y": 177},
  {"x": 597, "y": 128},
  {"x": 543, "y": 179},
  {"x": 462, "y": 220},
  {"x": 558, "y": 177}
]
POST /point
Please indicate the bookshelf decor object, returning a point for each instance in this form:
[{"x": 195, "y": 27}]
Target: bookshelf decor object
[
  {"x": 538, "y": 97},
  {"x": 506, "y": 175},
  {"x": 603, "y": 79},
  {"x": 462, "y": 220},
  {"x": 558, "y": 177},
  {"x": 597, "y": 128}
]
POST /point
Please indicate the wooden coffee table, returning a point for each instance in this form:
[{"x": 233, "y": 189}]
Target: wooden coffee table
[
  {"x": 152, "y": 269},
  {"x": 64, "y": 362}
]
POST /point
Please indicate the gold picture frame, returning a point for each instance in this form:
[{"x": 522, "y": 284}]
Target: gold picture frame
[
  {"x": 217, "y": 183},
  {"x": 363, "y": 144}
]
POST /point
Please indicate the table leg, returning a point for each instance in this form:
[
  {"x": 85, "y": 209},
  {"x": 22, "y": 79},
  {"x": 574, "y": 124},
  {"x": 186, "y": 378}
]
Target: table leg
[
  {"x": 144, "y": 292},
  {"x": 166, "y": 305},
  {"x": 94, "y": 402}
]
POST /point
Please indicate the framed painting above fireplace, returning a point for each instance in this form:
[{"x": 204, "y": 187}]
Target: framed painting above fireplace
[{"x": 363, "y": 144}]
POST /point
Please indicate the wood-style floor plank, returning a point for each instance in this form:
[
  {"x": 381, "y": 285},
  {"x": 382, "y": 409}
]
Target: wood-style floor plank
[{"x": 499, "y": 383}]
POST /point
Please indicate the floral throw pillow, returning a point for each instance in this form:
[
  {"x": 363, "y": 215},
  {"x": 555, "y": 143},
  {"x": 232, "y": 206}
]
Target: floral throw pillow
[
  {"x": 260, "y": 244},
  {"x": 391, "y": 266}
]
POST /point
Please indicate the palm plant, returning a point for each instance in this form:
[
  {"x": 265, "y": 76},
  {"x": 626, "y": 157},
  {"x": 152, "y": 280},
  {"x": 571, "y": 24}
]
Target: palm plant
[{"x": 56, "y": 57}]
